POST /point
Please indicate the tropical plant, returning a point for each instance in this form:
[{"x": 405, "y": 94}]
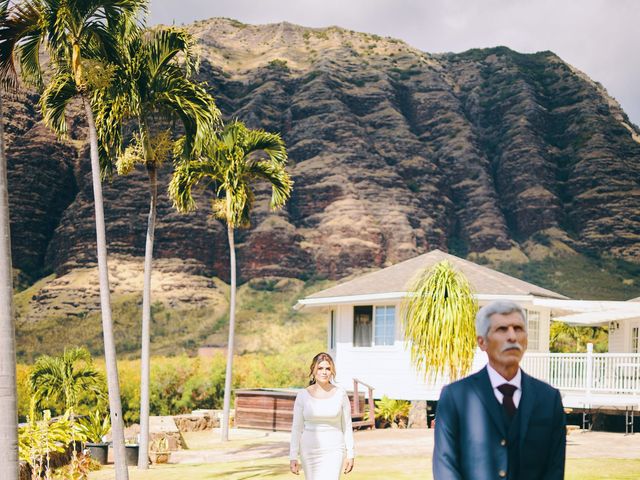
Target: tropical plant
[
  {"x": 153, "y": 85},
  {"x": 8, "y": 392},
  {"x": 95, "y": 426},
  {"x": 79, "y": 468},
  {"x": 64, "y": 378},
  {"x": 79, "y": 38},
  {"x": 565, "y": 338},
  {"x": 42, "y": 437},
  {"x": 439, "y": 322},
  {"x": 392, "y": 412},
  {"x": 232, "y": 164}
]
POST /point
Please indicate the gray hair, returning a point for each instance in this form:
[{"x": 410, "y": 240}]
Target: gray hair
[{"x": 502, "y": 307}]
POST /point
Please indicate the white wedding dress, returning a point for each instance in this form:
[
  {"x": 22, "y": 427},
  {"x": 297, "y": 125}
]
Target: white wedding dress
[{"x": 322, "y": 434}]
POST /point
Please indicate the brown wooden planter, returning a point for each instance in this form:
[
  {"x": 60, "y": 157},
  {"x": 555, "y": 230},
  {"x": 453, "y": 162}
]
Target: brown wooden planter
[{"x": 272, "y": 408}]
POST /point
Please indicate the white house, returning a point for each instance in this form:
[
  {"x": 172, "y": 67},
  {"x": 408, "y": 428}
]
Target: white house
[{"x": 365, "y": 334}]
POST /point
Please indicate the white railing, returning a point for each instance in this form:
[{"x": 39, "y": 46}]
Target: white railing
[{"x": 611, "y": 373}]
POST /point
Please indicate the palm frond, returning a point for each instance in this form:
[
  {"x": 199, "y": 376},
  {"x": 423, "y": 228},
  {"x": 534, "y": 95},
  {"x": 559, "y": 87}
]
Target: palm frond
[
  {"x": 191, "y": 103},
  {"x": 232, "y": 163},
  {"x": 20, "y": 38},
  {"x": 64, "y": 378},
  {"x": 55, "y": 99},
  {"x": 271, "y": 143},
  {"x": 281, "y": 182},
  {"x": 165, "y": 44},
  {"x": 185, "y": 177}
]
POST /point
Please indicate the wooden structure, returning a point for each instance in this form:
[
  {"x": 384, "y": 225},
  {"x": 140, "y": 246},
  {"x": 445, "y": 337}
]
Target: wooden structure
[
  {"x": 265, "y": 408},
  {"x": 272, "y": 408},
  {"x": 357, "y": 408}
]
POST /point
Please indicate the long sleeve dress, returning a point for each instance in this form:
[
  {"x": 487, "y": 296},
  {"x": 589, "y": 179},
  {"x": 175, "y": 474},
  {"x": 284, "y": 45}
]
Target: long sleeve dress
[{"x": 322, "y": 434}]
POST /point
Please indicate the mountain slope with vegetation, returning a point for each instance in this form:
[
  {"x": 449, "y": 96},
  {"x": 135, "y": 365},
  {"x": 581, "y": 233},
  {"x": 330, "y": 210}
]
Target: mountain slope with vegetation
[
  {"x": 515, "y": 160},
  {"x": 394, "y": 152}
]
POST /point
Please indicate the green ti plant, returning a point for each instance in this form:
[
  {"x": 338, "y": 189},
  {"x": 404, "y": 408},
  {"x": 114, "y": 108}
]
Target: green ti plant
[
  {"x": 392, "y": 412},
  {"x": 95, "y": 426}
]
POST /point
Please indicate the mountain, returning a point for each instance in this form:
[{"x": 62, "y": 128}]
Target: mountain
[{"x": 488, "y": 153}]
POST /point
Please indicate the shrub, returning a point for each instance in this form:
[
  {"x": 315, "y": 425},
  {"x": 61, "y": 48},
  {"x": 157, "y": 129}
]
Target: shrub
[
  {"x": 95, "y": 426},
  {"x": 394, "y": 413}
]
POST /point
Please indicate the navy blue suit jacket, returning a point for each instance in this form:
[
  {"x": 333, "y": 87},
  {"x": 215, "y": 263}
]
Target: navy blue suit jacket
[{"x": 471, "y": 432}]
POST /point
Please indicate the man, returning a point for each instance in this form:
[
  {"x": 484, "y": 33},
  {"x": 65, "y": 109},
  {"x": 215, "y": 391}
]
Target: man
[{"x": 500, "y": 422}]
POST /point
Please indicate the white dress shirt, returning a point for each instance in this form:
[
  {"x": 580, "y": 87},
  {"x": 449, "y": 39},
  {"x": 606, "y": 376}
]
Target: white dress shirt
[{"x": 497, "y": 380}]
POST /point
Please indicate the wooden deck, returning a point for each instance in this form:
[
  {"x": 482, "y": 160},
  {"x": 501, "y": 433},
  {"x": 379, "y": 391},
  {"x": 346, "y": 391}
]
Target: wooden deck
[{"x": 272, "y": 408}]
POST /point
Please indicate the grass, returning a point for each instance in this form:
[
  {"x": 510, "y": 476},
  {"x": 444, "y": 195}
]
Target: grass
[
  {"x": 399, "y": 467},
  {"x": 266, "y": 322},
  {"x": 581, "y": 276}
]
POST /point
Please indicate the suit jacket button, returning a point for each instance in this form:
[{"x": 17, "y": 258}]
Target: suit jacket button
[
  {"x": 503, "y": 442},
  {"x": 502, "y": 473}
]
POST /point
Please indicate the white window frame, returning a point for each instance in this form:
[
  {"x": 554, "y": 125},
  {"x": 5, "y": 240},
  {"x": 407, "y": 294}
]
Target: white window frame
[
  {"x": 332, "y": 330},
  {"x": 533, "y": 334},
  {"x": 393, "y": 324},
  {"x": 635, "y": 339}
]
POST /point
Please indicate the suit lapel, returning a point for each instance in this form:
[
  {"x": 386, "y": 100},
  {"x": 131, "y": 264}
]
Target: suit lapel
[
  {"x": 484, "y": 390},
  {"x": 527, "y": 402}
]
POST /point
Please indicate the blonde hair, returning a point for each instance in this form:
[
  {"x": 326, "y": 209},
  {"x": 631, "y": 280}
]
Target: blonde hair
[{"x": 321, "y": 357}]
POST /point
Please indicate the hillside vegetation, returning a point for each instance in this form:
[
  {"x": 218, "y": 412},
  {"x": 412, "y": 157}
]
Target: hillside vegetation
[{"x": 56, "y": 312}]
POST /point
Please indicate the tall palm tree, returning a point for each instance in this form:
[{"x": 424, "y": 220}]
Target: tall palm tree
[
  {"x": 153, "y": 85},
  {"x": 439, "y": 322},
  {"x": 233, "y": 164},
  {"x": 65, "y": 378},
  {"x": 79, "y": 37},
  {"x": 8, "y": 394}
]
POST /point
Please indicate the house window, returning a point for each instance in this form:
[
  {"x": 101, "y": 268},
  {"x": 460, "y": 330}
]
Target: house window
[
  {"x": 374, "y": 327},
  {"x": 533, "y": 329},
  {"x": 385, "y": 323},
  {"x": 332, "y": 330},
  {"x": 362, "y": 326},
  {"x": 635, "y": 331}
]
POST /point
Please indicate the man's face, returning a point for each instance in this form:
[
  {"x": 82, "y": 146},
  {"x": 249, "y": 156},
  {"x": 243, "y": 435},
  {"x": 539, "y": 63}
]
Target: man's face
[{"x": 506, "y": 340}]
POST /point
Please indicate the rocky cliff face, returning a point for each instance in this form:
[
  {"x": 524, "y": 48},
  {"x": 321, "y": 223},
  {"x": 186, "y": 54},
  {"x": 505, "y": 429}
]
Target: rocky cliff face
[{"x": 394, "y": 152}]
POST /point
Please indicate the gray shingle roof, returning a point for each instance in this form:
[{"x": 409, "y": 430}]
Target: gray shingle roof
[{"x": 398, "y": 278}]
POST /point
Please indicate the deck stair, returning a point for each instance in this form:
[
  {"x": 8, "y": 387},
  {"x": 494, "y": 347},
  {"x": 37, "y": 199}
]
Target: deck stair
[{"x": 362, "y": 415}]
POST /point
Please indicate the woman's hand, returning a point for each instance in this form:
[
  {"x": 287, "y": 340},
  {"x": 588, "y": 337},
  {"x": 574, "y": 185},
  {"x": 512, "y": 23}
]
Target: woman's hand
[
  {"x": 348, "y": 465},
  {"x": 294, "y": 466}
]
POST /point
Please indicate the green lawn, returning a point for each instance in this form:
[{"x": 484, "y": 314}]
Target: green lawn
[{"x": 370, "y": 468}]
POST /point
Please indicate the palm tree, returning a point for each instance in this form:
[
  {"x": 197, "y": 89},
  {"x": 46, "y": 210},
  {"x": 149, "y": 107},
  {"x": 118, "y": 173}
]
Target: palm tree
[
  {"x": 232, "y": 165},
  {"x": 79, "y": 38},
  {"x": 8, "y": 394},
  {"x": 153, "y": 85},
  {"x": 439, "y": 322},
  {"x": 63, "y": 379}
]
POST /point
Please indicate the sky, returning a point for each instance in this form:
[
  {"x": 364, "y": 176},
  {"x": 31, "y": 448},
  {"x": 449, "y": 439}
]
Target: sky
[{"x": 599, "y": 37}]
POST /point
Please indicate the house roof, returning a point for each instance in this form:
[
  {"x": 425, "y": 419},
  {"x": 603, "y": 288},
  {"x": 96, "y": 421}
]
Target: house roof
[{"x": 397, "y": 279}]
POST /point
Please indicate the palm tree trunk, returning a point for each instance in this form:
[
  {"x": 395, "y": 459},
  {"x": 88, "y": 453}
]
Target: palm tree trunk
[
  {"x": 232, "y": 323},
  {"x": 115, "y": 404},
  {"x": 145, "y": 354},
  {"x": 8, "y": 395}
]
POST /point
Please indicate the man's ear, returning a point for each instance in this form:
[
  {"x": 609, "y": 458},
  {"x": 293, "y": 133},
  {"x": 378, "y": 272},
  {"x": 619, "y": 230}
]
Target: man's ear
[{"x": 482, "y": 343}]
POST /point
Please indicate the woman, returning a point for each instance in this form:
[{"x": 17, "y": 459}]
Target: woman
[{"x": 321, "y": 430}]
